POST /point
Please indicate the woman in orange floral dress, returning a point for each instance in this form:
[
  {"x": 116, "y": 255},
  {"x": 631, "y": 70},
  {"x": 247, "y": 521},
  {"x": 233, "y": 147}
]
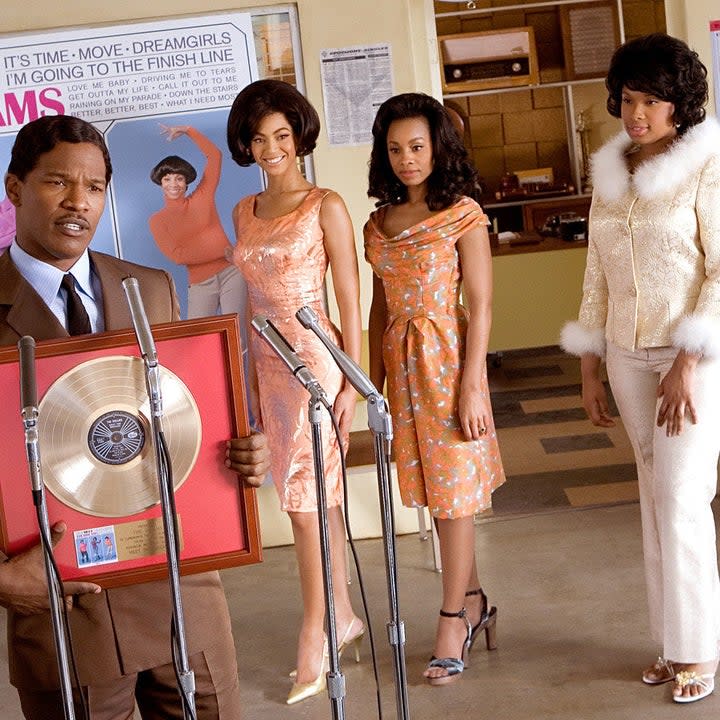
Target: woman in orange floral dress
[{"x": 425, "y": 239}]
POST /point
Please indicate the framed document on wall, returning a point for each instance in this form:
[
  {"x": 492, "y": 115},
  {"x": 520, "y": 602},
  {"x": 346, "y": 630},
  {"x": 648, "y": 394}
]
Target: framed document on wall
[
  {"x": 590, "y": 34},
  {"x": 98, "y": 458}
]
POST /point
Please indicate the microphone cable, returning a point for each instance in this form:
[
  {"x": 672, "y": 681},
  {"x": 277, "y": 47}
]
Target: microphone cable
[
  {"x": 167, "y": 479},
  {"x": 58, "y": 587}
]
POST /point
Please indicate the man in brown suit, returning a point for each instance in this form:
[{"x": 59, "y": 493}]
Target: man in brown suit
[{"x": 57, "y": 181}]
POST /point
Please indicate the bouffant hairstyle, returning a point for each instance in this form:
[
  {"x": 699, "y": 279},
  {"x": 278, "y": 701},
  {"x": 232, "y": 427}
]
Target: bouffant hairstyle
[
  {"x": 662, "y": 66},
  {"x": 453, "y": 173},
  {"x": 260, "y": 99},
  {"x": 173, "y": 165},
  {"x": 42, "y": 135}
]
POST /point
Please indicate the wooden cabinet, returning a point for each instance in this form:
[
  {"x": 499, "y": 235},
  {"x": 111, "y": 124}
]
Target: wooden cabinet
[
  {"x": 536, "y": 213},
  {"x": 530, "y": 215}
]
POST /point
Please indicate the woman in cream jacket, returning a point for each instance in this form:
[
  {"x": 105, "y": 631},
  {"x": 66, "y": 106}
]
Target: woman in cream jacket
[{"x": 651, "y": 306}]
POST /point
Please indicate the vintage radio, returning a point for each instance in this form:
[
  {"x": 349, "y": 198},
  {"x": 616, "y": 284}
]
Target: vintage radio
[{"x": 488, "y": 60}]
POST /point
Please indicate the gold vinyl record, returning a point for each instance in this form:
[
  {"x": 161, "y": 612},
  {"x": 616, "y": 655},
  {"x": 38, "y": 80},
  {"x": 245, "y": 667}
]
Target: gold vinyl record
[{"x": 95, "y": 434}]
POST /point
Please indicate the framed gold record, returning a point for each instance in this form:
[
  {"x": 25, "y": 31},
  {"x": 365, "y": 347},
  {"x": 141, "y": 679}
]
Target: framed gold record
[{"x": 98, "y": 462}]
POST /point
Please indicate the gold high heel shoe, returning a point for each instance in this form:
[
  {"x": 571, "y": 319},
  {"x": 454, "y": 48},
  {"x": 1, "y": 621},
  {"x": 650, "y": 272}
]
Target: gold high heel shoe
[
  {"x": 302, "y": 691},
  {"x": 354, "y": 638},
  {"x": 349, "y": 638}
]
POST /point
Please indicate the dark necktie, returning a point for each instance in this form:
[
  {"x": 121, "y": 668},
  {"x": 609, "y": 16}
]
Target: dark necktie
[{"x": 78, "y": 322}]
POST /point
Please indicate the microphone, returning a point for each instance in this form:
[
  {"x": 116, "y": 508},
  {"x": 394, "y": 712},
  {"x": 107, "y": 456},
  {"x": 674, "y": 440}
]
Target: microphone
[
  {"x": 139, "y": 320},
  {"x": 145, "y": 341},
  {"x": 286, "y": 353},
  {"x": 379, "y": 420},
  {"x": 352, "y": 371},
  {"x": 29, "y": 411}
]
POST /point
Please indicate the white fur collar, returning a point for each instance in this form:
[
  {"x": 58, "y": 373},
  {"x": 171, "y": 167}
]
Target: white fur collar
[{"x": 658, "y": 176}]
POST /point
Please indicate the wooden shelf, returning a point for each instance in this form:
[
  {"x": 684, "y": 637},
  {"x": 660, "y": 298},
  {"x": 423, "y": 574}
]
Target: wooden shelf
[
  {"x": 547, "y": 199},
  {"x": 506, "y": 8},
  {"x": 533, "y": 246},
  {"x": 537, "y": 86}
]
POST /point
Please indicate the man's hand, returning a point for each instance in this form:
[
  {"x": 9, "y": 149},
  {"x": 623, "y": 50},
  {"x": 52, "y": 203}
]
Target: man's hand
[
  {"x": 249, "y": 457},
  {"x": 23, "y": 586}
]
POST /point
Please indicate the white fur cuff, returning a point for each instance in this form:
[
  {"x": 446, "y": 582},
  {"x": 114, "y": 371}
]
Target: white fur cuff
[
  {"x": 577, "y": 339},
  {"x": 699, "y": 335}
]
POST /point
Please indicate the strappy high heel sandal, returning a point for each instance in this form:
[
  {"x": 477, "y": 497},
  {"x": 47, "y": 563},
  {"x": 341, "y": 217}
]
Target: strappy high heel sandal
[
  {"x": 487, "y": 622},
  {"x": 704, "y": 682},
  {"x": 453, "y": 666},
  {"x": 661, "y": 672}
]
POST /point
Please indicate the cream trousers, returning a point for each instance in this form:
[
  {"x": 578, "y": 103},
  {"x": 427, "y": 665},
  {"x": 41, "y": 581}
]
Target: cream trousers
[
  {"x": 678, "y": 480},
  {"x": 222, "y": 293}
]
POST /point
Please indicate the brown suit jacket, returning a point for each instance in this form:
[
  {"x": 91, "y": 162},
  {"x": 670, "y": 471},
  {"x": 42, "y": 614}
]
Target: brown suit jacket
[{"x": 123, "y": 630}]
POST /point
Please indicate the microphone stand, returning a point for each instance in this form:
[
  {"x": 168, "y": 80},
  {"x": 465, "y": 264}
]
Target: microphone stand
[
  {"x": 29, "y": 411},
  {"x": 380, "y": 424},
  {"x": 186, "y": 677},
  {"x": 318, "y": 401}
]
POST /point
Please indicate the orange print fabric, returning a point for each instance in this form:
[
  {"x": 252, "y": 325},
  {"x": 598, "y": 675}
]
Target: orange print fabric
[{"x": 423, "y": 352}]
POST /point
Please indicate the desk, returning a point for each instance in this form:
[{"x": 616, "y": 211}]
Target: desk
[{"x": 533, "y": 243}]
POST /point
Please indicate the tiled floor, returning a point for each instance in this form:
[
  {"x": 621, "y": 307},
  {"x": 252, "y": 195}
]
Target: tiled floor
[{"x": 553, "y": 456}]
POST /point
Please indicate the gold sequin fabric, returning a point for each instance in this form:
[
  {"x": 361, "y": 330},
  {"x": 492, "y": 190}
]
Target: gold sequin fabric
[
  {"x": 423, "y": 351},
  {"x": 284, "y": 263}
]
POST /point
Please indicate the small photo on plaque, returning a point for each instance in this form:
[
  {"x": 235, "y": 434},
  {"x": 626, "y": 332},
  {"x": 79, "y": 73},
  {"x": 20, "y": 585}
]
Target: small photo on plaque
[{"x": 95, "y": 546}]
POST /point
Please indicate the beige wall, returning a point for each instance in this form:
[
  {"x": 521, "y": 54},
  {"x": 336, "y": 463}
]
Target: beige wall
[{"x": 689, "y": 20}]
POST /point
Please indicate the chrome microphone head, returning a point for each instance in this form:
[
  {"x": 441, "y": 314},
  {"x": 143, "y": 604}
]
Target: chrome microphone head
[
  {"x": 307, "y": 317},
  {"x": 260, "y": 323}
]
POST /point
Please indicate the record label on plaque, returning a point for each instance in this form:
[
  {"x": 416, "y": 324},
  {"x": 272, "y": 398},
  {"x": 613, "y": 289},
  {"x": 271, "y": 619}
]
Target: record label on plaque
[{"x": 96, "y": 436}]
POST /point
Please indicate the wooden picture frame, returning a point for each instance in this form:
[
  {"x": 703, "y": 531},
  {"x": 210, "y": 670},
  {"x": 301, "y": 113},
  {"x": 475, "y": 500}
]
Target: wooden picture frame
[
  {"x": 489, "y": 59},
  {"x": 590, "y": 35},
  {"x": 217, "y": 513}
]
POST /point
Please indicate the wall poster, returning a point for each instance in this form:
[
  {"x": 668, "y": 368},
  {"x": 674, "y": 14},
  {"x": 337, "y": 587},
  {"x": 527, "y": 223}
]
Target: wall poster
[{"x": 157, "y": 90}]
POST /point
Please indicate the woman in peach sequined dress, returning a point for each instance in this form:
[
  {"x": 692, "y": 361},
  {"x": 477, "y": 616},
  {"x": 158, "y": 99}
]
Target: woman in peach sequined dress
[
  {"x": 286, "y": 238},
  {"x": 423, "y": 241}
]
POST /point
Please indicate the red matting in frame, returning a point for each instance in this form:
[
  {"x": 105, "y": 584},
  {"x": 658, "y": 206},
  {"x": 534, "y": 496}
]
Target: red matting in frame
[{"x": 217, "y": 512}]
